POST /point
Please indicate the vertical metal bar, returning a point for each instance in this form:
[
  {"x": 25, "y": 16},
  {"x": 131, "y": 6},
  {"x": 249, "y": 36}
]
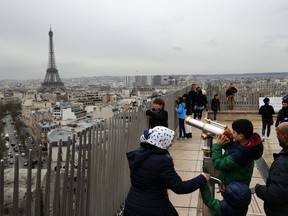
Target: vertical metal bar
[
  {"x": 1, "y": 187},
  {"x": 71, "y": 207},
  {"x": 48, "y": 178},
  {"x": 83, "y": 175},
  {"x": 38, "y": 183},
  {"x": 79, "y": 179},
  {"x": 65, "y": 182},
  {"x": 28, "y": 191},
  {"x": 16, "y": 187},
  {"x": 89, "y": 149},
  {"x": 56, "y": 203},
  {"x": 113, "y": 170},
  {"x": 105, "y": 169},
  {"x": 97, "y": 173}
]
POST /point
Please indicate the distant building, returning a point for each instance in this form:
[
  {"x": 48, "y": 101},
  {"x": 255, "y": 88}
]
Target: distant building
[
  {"x": 141, "y": 80},
  {"x": 157, "y": 80},
  {"x": 65, "y": 110}
]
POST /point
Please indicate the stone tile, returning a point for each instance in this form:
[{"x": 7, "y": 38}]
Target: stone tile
[
  {"x": 180, "y": 200},
  {"x": 194, "y": 199},
  {"x": 182, "y": 211},
  {"x": 185, "y": 165},
  {"x": 186, "y": 155},
  {"x": 185, "y": 146}
]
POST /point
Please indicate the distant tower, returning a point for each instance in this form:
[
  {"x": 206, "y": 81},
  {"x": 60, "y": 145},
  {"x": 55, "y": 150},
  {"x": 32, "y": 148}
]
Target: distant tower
[{"x": 52, "y": 82}]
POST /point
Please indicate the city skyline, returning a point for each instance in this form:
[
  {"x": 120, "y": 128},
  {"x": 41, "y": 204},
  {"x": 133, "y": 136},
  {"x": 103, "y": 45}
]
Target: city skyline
[{"x": 131, "y": 38}]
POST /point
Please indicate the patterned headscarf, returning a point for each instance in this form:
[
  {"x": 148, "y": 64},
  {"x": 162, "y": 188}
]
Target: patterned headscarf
[{"x": 159, "y": 136}]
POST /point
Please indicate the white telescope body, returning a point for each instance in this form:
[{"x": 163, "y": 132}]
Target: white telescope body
[{"x": 208, "y": 127}]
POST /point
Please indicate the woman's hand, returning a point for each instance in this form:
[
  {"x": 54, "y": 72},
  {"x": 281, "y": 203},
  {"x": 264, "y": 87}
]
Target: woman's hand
[{"x": 206, "y": 175}]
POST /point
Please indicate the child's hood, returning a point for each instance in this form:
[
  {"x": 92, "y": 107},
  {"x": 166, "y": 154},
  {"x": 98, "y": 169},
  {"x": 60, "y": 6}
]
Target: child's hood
[{"x": 237, "y": 197}]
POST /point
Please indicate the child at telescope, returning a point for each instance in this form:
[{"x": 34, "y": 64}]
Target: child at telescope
[
  {"x": 236, "y": 199},
  {"x": 237, "y": 161}
]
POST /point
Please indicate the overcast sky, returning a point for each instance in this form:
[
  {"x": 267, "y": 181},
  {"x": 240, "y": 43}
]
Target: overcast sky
[{"x": 144, "y": 37}]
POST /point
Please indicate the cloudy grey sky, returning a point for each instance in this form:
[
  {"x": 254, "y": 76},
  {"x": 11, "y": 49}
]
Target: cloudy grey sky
[{"x": 121, "y": 37}]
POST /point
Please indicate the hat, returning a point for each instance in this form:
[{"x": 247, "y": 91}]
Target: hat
[
  {"x": 237, "y": 197},
  {"x": 158, "y": 136},
  {"x": 285, "y": 99},
  {"x": 243, "y": 126},
  {"x": 266, "y": 100}
]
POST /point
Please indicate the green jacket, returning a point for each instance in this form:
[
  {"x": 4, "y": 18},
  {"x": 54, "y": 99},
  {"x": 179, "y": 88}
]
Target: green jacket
[
  {"x": 237, "y": 161},
  {"x": 212, "y": 203}
]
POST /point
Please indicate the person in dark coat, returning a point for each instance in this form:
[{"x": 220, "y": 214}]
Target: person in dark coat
[
  {"x": 266, "y": 111},
  {"x": 215, "y": 106},
  {"x": 274, "y": 193},
  {"x": 201, "y": 103},
  {"x": 236, "y": 199},
  {"x": 283, "y": 113},
  {"x": 193, "y": 97},
  {"x": 158, "y": 116},
  {"x": 230, "y": 93},
  {"x": 152, "y": 173}
]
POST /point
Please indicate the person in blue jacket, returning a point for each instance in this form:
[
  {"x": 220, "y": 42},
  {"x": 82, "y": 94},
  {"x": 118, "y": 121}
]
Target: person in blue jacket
[
  {"x": 236, "y": 199},
  {"x": 152, "y": 173},
  {"x": 181, "y": 113}
]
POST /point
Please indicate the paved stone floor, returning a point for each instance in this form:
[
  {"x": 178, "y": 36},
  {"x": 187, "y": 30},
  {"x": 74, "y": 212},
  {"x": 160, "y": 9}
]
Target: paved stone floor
[{"x": 188, "y": 157}]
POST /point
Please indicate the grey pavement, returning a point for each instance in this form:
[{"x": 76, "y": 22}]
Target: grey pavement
[{"x": 188, "y": 158}]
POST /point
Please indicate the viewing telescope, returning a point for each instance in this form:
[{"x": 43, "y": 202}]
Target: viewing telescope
[{"x": 209, "y": 128}]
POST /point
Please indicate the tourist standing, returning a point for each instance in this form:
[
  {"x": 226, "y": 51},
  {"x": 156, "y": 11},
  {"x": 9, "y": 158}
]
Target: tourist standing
[
  {"x": 193, "y": 96},
  {"x": 274, "y": 193},
  {"x": 266, "y": 111},
  {"x": 230, "y": 94},
  {"x": 188, "y": 103},
  {"x": 201, "y": 103},
  {"x": 283, "y": 113},
  {"x": 158, "y": 116},
  {"x": 181, "y": 113},
  {"x": 152, "y": 172},
  {"x": 215, "y": 106}
]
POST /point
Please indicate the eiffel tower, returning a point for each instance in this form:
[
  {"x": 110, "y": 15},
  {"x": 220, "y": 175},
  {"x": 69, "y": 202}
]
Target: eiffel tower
[{"x": 52, "y": 82}]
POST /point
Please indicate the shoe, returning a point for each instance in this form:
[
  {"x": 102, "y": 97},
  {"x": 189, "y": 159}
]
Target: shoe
[
  {"x": 184, "y": 138},
  {"x": 263, "y": 138}
]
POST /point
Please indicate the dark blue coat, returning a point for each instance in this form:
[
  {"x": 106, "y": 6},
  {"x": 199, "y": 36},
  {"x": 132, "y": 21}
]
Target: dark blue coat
[
  {"x": 152, "y": 173},
  {"x": 275, "y": 192},
  {"x": 157, "y": 117}
]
